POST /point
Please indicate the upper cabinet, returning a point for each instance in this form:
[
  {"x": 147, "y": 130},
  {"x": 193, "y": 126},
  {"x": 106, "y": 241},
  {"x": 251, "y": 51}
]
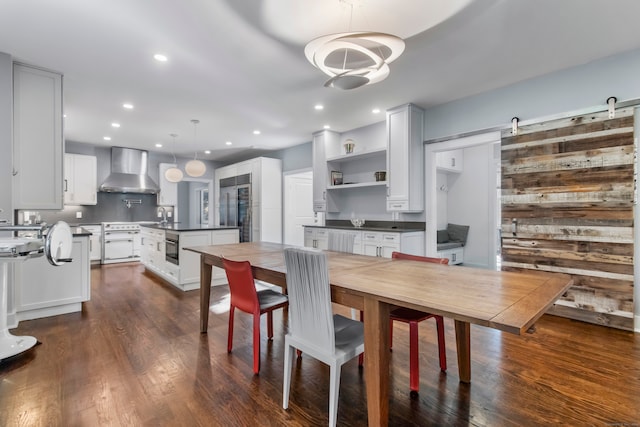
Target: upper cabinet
[
  {"x": 323, "y": 142},
  {"x": 80, "y": 180},
  {"x": 168, "y": 194},
  {"x": 405, "y": 159},
  {"x": 37, "y": 139},
  {"x": 450, "y": 161}
]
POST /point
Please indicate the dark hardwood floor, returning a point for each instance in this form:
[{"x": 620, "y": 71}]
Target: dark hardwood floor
[{"x": 134, "y": 356}]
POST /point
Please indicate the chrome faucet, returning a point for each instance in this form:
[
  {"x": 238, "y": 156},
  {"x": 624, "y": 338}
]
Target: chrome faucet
[{"x": 164, "y": 215}]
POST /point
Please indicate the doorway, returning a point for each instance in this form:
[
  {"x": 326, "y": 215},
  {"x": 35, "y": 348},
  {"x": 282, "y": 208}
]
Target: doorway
[
  {"x": 298, "y": 205},
  {"x": 465, "y": 196}
]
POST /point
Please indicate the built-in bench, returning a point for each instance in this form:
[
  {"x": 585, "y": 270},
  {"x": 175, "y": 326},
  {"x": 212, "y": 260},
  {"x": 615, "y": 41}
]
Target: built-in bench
[{"x": 450, "y": 242}]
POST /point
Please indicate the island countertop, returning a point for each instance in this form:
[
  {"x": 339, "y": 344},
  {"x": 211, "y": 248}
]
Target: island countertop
[{"x": 184, "y": 226}]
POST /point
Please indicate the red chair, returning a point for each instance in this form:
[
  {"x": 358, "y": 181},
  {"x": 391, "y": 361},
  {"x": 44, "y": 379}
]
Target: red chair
[
  {"x": 413, "y": 317},
  {"x": 245, "y": 298}
]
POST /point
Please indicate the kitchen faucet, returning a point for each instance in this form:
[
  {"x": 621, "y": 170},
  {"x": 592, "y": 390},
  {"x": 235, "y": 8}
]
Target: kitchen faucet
[{"x": 164, "y": 215}]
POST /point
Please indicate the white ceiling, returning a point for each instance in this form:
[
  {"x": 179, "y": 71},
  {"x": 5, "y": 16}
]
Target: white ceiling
[{"x": 238, "y": 66}]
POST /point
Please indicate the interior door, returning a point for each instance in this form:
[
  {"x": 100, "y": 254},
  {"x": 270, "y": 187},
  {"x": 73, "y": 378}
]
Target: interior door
[
  {"x": 568, "y": 206},
  {"x": 298, "y": 206}
]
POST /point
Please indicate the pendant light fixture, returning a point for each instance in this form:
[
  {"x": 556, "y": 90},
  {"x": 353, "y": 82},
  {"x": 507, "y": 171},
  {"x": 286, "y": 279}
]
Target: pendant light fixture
[
  {"x": 173, "y": 174},
  {"x": 355, "y": 58},
  {"x": 195, "y": 167}
]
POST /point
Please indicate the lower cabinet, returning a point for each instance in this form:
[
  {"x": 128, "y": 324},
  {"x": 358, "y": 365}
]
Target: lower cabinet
[
  {"x": 455, "y": 255},
  {"x": 43, "y": 290},
  {"x": 371, "y": 243},
  {"x": 95, "y": 242},
  {"x": 185, "y": 275}
]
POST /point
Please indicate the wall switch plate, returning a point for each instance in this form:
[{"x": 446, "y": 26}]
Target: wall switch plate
[{"x": 79, "y": 215}]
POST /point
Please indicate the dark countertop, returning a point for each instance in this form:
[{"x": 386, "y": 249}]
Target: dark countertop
[
  {"x": 79, "y": 231},
  {"x": 396, "y": 227},
  {"x": 179, "y": 226}
]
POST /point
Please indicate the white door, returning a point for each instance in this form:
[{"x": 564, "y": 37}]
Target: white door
[{"x": 298, "y": 206}]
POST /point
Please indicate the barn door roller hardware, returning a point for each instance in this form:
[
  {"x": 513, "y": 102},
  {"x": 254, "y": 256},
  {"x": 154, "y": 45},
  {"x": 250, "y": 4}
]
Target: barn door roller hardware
[{"x": 611, "y": 102}]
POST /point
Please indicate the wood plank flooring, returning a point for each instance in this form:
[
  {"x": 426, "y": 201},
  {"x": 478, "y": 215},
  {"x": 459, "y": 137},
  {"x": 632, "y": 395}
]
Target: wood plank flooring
[{"x": 134, "y": 356}]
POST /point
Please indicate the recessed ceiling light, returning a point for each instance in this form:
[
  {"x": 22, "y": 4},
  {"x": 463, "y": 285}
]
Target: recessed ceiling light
[
  {"x": 64, "y": 115},
  {"x": 256, "y": 132},
  {"x": 319, "y": 107},
  {"x": 160, "y": 57},
  {"x": 115, "y": 125},
  {"x": 127, "y": 106},
  {"x": 228, "y": 143},
  {"x": 375, "y": 110},
  {"x": 207, "y": 151},
  {"x": 327, "y": 127},
  {"x": 158, "y": 145},
  {"x": 106, "y": 138}
]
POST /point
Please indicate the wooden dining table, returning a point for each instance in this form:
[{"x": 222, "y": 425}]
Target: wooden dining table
[{"x": 507, "y": 301}]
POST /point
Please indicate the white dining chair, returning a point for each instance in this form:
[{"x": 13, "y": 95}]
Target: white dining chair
[
  {"x": 341, "y": 242},
  {"x": 313, "y": 328}
]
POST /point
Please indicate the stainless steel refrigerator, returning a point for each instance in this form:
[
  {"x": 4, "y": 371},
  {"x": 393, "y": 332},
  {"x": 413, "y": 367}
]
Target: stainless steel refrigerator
[{"x": 235, "y": 204}]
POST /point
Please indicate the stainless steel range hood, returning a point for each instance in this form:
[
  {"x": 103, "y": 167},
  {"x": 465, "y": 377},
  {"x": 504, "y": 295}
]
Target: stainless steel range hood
[{"x": 129, "y": 172}]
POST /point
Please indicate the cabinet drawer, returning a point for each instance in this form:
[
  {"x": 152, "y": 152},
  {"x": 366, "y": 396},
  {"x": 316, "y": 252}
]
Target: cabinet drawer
[
  {"x": 322, "y": 233},
  {"x": 370, "y": 237},
  {"x": 391, "y": 238},
  {"x": 320, "y": 207},
  {"x": 402, "y": 205}
]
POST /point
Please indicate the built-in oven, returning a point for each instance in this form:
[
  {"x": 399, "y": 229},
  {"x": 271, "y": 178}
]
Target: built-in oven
[
  {"x": 172, "y": 247},
  {"x": 120, "y": 242}
]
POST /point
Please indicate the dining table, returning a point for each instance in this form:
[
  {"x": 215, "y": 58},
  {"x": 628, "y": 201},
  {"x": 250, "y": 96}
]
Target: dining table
[{"x": 510, "y": 301}]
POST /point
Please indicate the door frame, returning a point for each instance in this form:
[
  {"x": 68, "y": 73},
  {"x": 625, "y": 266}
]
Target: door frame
[{"x": 431, "y": 209}]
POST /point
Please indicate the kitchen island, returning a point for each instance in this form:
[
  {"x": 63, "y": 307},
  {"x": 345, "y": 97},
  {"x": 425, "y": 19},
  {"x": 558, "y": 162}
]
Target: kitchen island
[
  {"x": 42, "y": 290},
  {"x": 162, "y": 251}
]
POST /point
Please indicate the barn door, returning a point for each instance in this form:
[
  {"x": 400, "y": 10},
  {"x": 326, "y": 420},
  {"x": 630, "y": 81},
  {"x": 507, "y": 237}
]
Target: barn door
[{"x": 567, "y": 206}]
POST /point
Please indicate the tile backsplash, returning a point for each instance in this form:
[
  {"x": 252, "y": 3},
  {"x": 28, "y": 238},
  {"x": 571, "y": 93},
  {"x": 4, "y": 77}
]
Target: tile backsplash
[{"x": 110, "y": 207}]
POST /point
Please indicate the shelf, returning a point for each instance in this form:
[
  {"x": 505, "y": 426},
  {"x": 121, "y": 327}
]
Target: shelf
[
  {"x": 357, "y": 156},
  {"x": 357, "y": 185}
]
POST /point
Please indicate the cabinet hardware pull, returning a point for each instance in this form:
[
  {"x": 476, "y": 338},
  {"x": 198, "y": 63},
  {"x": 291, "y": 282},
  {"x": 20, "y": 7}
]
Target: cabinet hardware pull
[{"x": 66, "y": 186}]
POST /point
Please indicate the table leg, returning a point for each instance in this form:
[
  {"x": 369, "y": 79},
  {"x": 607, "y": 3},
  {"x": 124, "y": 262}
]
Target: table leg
[
  {"x": 376, "y": 360},
  {"x": 205, "y": 293},
  {"x": 463, "y": 343}
]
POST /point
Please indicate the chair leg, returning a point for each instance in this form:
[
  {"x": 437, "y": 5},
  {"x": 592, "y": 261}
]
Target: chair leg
[
  {"x": 256, "y": 343},
  {"x": 232, "y": 310},
  {"x": 334, "y": 390},
  {"x": 361, "y": 356},
  {"x": 442, "y": 348},
  {"x": 414, "y": 363},
  {"x": 286, "y": 383},
  {"x": 270, "y": 325}
]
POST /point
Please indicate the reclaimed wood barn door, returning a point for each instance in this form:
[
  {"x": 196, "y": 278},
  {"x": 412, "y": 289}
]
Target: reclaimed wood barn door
[{"x": 567, "y": 206}]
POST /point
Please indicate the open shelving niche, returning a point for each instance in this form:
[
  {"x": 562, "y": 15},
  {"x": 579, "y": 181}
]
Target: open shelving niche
[{"x": 358, "y": 169}]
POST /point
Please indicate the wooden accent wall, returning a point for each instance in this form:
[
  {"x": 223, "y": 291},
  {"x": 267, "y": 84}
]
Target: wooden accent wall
[{"x": 568, "y": 188}]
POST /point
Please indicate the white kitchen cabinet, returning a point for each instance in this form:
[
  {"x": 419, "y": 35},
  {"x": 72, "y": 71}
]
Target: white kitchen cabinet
[
  {"x": 455, "y": 255},
  {"x": 450, "y": 161},
  {"x": 405, "y": 159},
  {"x": 186, "y": 275},
  {"x": 316, "y": 237},
  {"x": 383, "y": 244},
  {"x": 44, "y": 290},
  {"x": 95, "y": 242},
  {"x": 80, "y": 180},
  {"x": 168, "y": 194},
  {"x": 38, "y": 144},
  {"x": 322, "y": 142}
]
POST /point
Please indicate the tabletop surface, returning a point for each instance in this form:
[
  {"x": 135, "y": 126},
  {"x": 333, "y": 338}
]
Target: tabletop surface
[{"x": 508, "y": 301}]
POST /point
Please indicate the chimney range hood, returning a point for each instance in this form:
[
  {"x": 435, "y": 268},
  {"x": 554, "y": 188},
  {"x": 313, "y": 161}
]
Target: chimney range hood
[{"x": 129, "y": 172}]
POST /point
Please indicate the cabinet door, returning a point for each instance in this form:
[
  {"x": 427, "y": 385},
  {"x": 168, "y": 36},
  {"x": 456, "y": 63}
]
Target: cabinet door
[
  {"x": 168, "y": 195},
  {"x": 322, "y": 238},
  {"x": 190, "y": 261},
  {"x": 37, "y": 139},
  {"x": 322, "y": 201},
  {"x": 81, "y": 183},
  {"x": 405, "y": 159},
  {"x": 390, "y": 243}
]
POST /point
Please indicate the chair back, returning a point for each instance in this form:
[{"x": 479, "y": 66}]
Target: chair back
[
  {"x": 401, "y": 255},
  {"x": 341, "y": 242},
  {"x": 241, "y": 285},
  {"x": 310, "y": 312}
]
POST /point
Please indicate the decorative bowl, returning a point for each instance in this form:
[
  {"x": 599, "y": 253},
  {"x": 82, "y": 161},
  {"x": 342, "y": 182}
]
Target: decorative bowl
[{"x": 357, "y": 222}]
